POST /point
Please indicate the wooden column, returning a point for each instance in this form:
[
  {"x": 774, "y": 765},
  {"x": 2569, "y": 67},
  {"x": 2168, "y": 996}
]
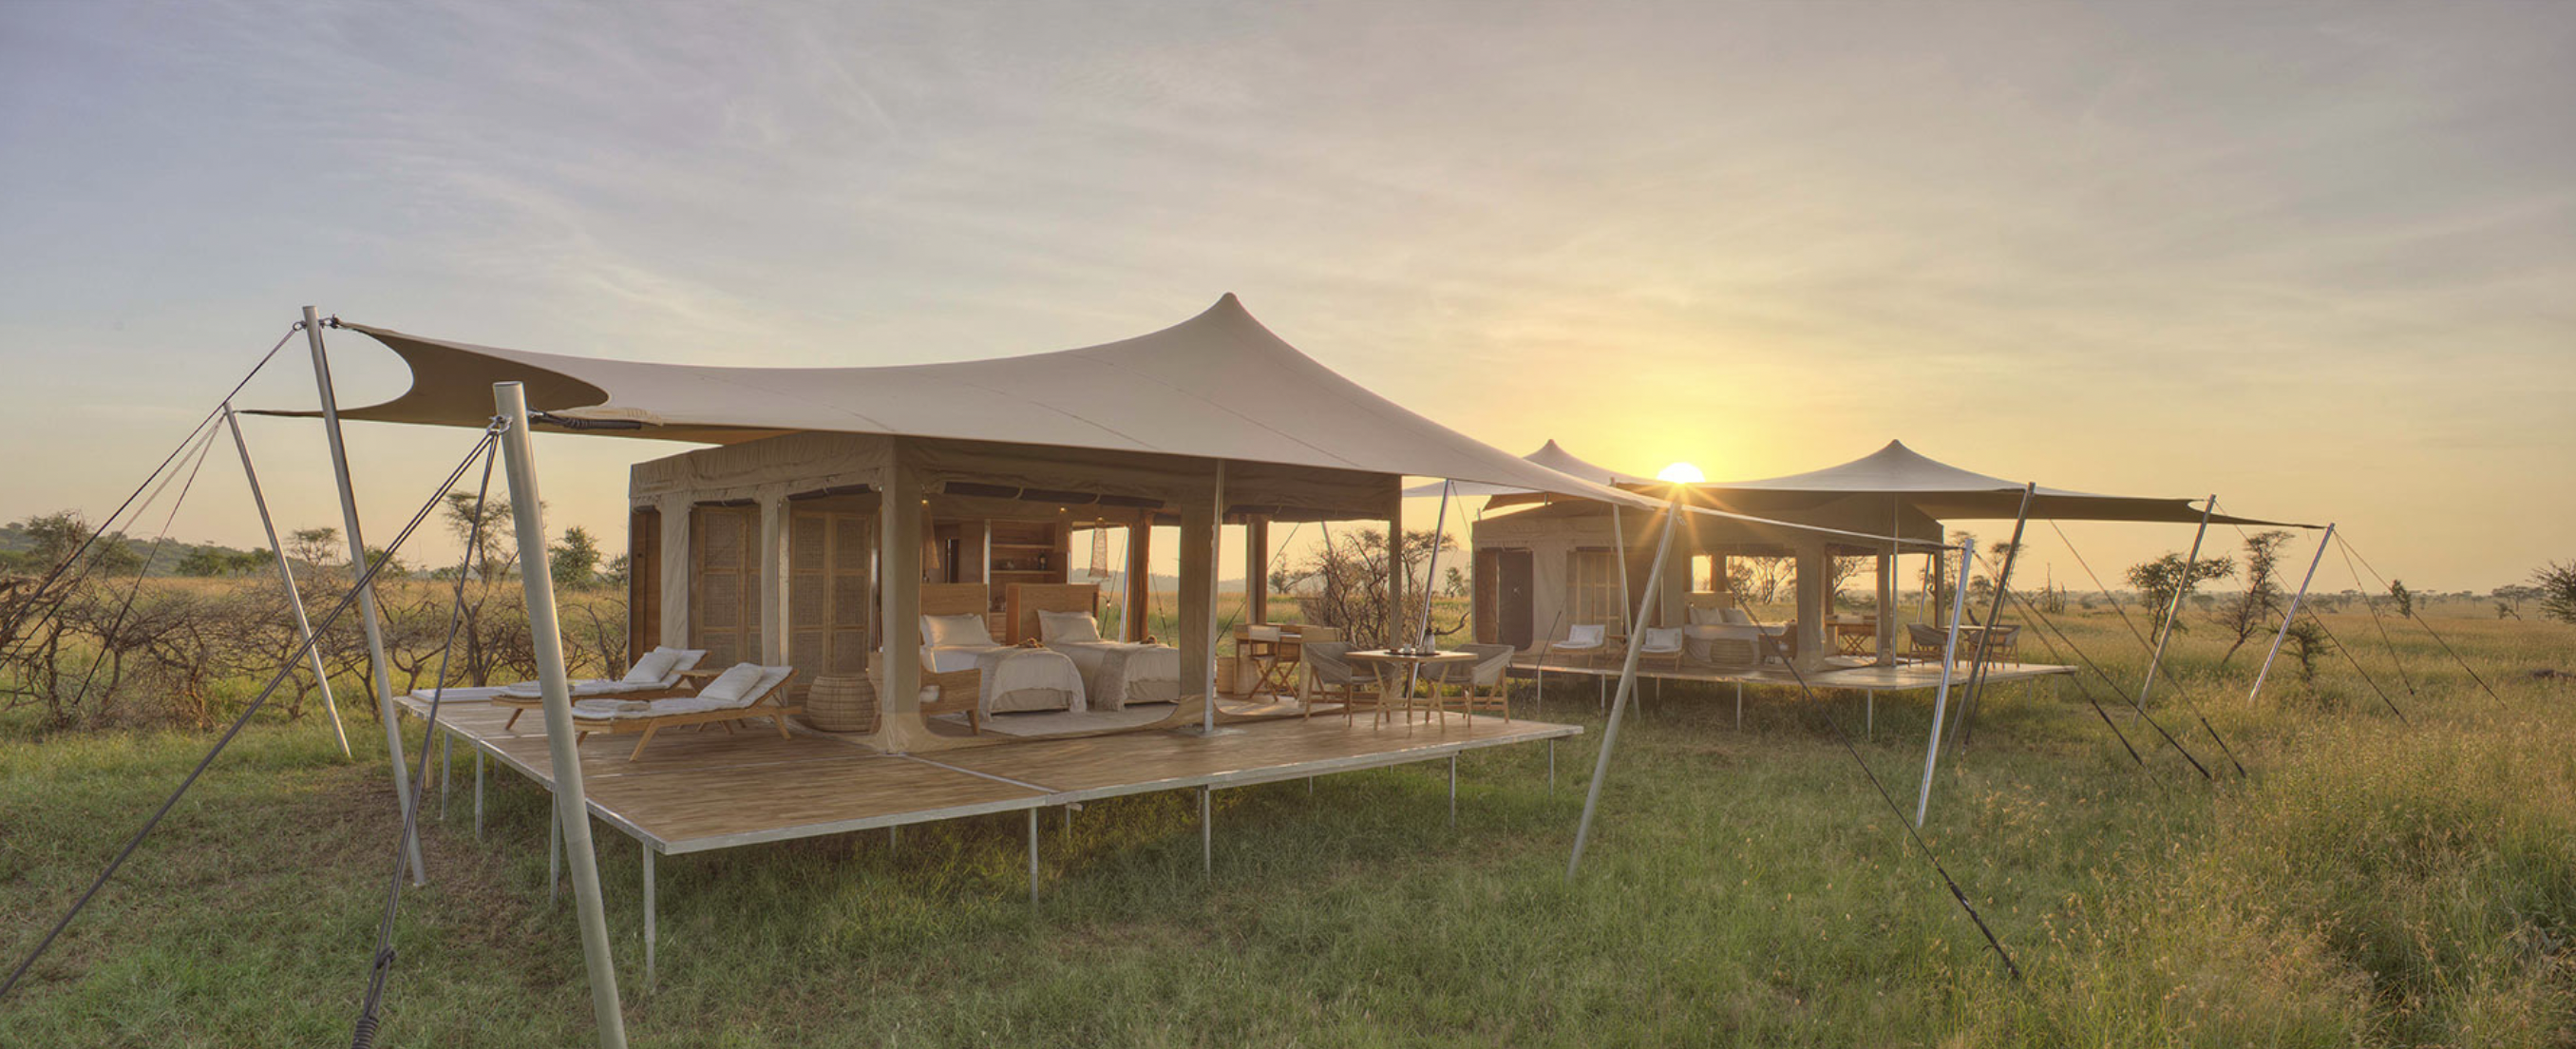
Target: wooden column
[
  {"x": 1673, "y": 595},
  {"x": 1256, "y": 568},
  {"x": 1887, "y": 607},
  {"x": 1813, "y": 575},
  {"x": 677, "y": 568},
  {"x": 899, "y": 530},
  {"x": 1132, "y": 616},
  {"x": 1199, "y": 524},
  {"x": 772, "y": 575}
]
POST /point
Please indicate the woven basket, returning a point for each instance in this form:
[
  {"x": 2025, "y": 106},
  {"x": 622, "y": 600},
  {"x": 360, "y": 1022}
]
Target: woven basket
[{"x": 844, "y": 703}]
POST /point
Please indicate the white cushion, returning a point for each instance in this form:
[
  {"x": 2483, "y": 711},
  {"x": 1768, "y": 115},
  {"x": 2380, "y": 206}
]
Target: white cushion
[
  {"x": 732, "y": 686},
  {"x": 1067, "y": 626},
  {"x": 656, "y": 665},
  {"x": 1738, "y": 617},
  {"x": 1661, "y": 639},
  {"x": 1584, "y": 635},
  {"x": 1706, "y": 616},
  {"x": 945, "y": 631}
]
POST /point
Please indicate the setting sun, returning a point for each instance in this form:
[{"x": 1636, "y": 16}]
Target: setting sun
[{"x": 1682, "y": 472}]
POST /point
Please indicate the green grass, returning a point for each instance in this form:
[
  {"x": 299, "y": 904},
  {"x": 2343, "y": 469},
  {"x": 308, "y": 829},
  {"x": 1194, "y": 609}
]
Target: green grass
[{"x": 2372, "y": 883}]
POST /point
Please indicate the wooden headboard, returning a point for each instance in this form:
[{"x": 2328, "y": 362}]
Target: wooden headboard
[
  {"x": 1711, "y": 599},
  {"x": 1026, "y": 600},
  {"x": 957, "y": 599}
]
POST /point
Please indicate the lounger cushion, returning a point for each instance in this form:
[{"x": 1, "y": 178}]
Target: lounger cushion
[
  {"x": 733, "y": 686},
  {"x": 1661, "y": 640},
  {"x": 955, "y": 631},
  {"x": 1583, "y": 635},
  {"x": 656, "y": 665},
  {"x": 637, "y": 708},
  {"x": 1067, "y": 627}
]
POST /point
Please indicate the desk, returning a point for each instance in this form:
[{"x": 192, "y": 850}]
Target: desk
[{"x": 1855, "y": 639}]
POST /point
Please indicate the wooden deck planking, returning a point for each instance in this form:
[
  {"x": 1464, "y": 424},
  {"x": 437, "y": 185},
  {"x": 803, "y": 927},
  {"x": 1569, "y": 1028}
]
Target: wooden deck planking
[
  {"x": 1901, "y": 678},
  {"x": 1136, "y": 763},
  {"x": 696, "y": 791},
  {"x": 722, "y": 807}
]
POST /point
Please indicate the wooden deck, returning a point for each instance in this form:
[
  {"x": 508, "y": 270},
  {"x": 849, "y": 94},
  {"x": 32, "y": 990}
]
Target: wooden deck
[
  {"x": 1845, "y": 675},
  {"x": 696, "y": 791}
]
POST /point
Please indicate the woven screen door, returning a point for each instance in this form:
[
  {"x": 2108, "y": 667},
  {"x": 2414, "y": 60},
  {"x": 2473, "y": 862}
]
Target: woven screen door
[
  {"x": 724, "y": 614},
  {"x": 828, "y": 553}
]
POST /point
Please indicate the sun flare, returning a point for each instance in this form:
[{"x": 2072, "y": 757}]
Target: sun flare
[{"x": 1682, "y": 472}]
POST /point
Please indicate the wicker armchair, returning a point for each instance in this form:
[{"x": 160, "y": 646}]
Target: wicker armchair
[
  {"x": 1328, "y": 677},
  {"x": 1481, "y": 685}
]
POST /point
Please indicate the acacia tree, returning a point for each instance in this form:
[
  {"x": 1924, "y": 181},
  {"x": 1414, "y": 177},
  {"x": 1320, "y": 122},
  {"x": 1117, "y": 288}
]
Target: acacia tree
[
  {"x": 1343, "y": 583},
  {"x": 2159, "y": 580},
  {"x": 1762, "y": 575},
  {"x": 574, "y": 562},
  {"x": 317, "y": 547},
  {"x": 2252, "y": 611},
  {"x": 2557, "y": 585}
]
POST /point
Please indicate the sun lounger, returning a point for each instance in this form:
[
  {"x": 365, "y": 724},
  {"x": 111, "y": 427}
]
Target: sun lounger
[
  {"x": 747, "y": 690},
  {"x": 659, "y": 670},
  {"x": 1585, "y": 641}
]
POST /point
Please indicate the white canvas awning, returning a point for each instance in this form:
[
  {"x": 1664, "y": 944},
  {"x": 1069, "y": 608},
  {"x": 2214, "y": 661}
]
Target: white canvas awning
[
  {"x": 1549, "y": 455},
  {"x": 1947, "y": 492},
  {"x": 1218, "y": 386}
]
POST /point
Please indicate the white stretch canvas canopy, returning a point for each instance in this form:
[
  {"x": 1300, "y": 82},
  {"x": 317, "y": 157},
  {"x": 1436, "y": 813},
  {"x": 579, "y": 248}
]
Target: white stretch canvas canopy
[
  {"x": 1216, "y": 386},
  {"x": 1550, "y": 455},
  {"x": 1947, "y": 492}
]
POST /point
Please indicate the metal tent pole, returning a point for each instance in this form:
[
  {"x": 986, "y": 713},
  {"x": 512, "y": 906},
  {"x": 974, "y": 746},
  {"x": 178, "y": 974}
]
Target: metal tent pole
[
  {"x": 1627, "y": 687},
  {"x": 1619, "y": 537},
  {"x": 1430, "y": 586},
  {"x": 1941, "y": 698},
  {"x": 652, "y": 913},
  {"x": 572, "y": 807},
  {"x": 366, "y": 594},
  {"x": 2293, "y": 613},
  {"x": 2173, "y": 610},
  {"x": 286, "y": 575},
  {"x": 1994, "y": 618}
]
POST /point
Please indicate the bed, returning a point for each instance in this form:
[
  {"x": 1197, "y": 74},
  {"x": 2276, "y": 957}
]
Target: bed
[
  {"x": 956, "y": 635},
  {"x": 1115, "y": 674}
]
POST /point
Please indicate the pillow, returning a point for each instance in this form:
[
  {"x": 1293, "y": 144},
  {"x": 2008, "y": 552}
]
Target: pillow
[
  {"x": 1583, "y": 635},
  {"x": 1738, "y": 617},
  {"x": 1068, "y": 626},
  {"x": 656, "y": 665},
  {"x": 733, "y": 685},
  {"x": 1706, "y": 616},
  {"x": 955, "y": 631},
  {"x": 1661, "y": 639}
]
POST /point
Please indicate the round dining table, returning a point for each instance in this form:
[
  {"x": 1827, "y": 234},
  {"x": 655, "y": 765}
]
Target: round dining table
[{"x": 1396, "y": 672}]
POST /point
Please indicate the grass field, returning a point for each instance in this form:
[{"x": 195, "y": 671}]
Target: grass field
[{"x": 2372, "y": 882}]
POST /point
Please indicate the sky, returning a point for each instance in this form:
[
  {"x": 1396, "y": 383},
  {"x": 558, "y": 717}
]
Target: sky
[{"x": 2315, "y": 258}]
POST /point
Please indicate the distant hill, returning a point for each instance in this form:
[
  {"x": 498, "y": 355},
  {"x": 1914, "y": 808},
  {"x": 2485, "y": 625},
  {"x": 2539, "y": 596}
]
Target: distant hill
[{"x": 16, "y": 544}]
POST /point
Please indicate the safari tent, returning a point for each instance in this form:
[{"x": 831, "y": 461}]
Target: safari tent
[{"x": 1544, "y": 562}]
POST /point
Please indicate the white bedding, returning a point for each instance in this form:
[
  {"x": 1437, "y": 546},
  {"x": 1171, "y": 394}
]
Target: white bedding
[
  {"x": 1015, "y": 679},
  {"x": 1116, "y": 674}
]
